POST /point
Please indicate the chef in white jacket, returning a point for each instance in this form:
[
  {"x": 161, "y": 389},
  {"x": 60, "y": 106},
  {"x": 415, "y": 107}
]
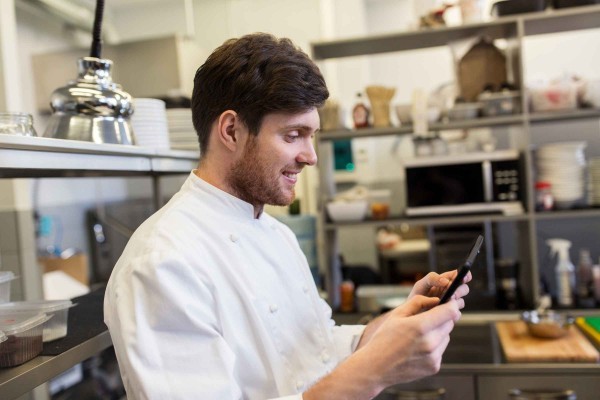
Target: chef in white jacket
[{"x": 213, "y": 298}]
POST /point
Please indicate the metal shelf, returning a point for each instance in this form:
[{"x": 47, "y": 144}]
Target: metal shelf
[
  {"x": 549, "y": 21},
  {"x": 22, "y": 156},
  {"x": 441, "y": 126},
  {"x": 437, "y": 221},
  {"x": 553, "y": 116},
  {"x": 19, "y": 380},
  {"x": 568, "y": 214},
  {"x": 484, "y": 122},
  {"x": 411, "y": 40}
]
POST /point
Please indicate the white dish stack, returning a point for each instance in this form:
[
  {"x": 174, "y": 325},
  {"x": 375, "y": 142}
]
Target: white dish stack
[
  {"x": 563, "y": 166},
  {"x": 182, "y": 134},
  {"x": 594, "y": 174},
  {"x": 149, "y": 123}
]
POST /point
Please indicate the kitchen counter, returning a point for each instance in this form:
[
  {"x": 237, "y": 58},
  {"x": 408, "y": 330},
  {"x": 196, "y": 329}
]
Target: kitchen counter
[
  {"x": 474, "y": 366},
  {"x": 475, "y": 347}
]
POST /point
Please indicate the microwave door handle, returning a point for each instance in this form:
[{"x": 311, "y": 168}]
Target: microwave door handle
[{"x": 488, "y": 184}]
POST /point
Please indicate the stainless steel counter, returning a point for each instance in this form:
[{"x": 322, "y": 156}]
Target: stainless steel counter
[{"x": 475, "y": 348}]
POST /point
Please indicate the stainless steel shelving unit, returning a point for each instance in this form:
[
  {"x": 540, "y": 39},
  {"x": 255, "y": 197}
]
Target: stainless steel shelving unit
[
  {"x": 21, "y": 379},
  {"x": 37, "y": 157},
  {"x": 515, "y": 29}
]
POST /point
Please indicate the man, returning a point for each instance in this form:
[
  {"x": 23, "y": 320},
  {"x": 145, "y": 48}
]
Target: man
[{"x": 213, "y": 298}]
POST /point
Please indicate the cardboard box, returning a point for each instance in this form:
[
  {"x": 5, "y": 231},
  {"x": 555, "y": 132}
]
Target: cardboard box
[{"x": 75, "y": 266}]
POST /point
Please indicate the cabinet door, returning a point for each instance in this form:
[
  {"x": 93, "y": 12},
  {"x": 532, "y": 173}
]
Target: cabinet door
[
  {"x": 497, "y": 387},
  {"x": 457, "y": 387}
]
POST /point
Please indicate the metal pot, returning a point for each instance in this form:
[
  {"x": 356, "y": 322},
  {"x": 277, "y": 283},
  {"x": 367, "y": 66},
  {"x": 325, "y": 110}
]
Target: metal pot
[{"x": 547, "y": 324}]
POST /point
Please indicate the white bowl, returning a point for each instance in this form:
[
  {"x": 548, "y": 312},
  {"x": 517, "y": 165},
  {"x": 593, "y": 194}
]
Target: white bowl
[
  {"x": 355, "y": 210},
  {"x": 404, "y": 113}
]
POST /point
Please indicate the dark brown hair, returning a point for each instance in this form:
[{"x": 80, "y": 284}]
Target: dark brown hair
[{"x": 254, "y": 75}]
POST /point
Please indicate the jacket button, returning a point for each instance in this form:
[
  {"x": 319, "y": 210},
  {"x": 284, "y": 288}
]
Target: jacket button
[
  {"x": 325, "y": 356},
  {"x": 273, "y": 308},
  {"x": 233, "y": 237},
  {"x": 299, "y": 385}
]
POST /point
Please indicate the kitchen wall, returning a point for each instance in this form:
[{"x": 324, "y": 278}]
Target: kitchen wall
[{"x": 213, "y": 21}]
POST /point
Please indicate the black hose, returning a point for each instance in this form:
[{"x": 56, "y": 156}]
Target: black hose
[{"x": 96, "y": 50}]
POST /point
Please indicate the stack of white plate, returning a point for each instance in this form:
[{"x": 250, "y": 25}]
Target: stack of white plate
[
  {"x": 563, "y": 165},
  {"x": 149, "y": 123},
  {"x": 594, "y": 170},
  {"x": 182, "y": 134}
]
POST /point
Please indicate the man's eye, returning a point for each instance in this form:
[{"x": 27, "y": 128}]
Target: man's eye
[{"x": 291, "y": 138}]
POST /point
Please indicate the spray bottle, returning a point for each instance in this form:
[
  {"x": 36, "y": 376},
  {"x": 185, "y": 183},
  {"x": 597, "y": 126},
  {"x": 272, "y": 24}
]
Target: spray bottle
[{"x": 564, "y": 270}]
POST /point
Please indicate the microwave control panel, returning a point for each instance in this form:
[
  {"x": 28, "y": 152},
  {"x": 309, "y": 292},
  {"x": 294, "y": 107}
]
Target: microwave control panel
[{"x": 506, "y": 180}]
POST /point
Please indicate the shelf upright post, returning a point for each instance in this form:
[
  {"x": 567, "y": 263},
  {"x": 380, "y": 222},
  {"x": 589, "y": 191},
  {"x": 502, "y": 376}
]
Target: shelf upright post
[{"x": 328, "y": 246}]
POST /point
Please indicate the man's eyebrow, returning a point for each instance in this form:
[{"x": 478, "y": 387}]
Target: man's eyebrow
[{"x": 300, "y": 127}]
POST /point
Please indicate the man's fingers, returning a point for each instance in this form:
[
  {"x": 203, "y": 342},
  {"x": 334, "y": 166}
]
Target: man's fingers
[{"x": 416, "y": 305}]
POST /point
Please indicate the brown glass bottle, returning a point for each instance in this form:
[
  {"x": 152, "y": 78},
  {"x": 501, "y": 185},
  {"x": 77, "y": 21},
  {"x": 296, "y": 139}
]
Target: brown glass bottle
[{"x": 360, "y": 113}]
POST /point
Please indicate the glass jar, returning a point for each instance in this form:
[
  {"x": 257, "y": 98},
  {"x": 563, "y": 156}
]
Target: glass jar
[{"x": 17, "y": 124}]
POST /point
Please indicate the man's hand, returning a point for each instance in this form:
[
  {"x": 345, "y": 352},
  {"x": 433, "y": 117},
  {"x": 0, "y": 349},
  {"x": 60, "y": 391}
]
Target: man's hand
[
  {"x": 407, "y": 345},
  {"x": 433, "y": 285}
]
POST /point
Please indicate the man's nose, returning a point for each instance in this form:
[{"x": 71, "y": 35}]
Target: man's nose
[{"x": 308, "y": 155}]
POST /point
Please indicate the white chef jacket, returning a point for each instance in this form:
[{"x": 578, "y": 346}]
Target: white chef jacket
[{"x": 208, "y": 302}]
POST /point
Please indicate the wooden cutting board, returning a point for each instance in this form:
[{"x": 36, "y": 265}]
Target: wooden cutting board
[{"x": 519, "y": 346}]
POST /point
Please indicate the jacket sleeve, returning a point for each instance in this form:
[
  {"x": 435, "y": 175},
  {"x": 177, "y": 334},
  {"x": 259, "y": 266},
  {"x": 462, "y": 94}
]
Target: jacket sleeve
[
  {"x": 345, "y": 337},
  {"x": 164, "y": 326}
]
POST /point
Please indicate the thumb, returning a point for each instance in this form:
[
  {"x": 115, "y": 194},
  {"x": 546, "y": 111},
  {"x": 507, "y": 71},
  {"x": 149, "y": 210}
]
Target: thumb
[{"x": 416, "y": 305}]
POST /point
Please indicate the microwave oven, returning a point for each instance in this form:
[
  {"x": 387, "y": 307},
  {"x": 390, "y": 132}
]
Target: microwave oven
[{"x": 470, "y": 183}]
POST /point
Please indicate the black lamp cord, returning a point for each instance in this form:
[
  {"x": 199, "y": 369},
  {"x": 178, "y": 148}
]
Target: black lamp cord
[{"x": 96, "y": 50}]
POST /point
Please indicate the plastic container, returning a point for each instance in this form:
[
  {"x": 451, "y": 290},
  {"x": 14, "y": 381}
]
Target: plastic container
[
  {"x": 56, "y": 327},
  {"x": 544, "y": 201},
  {"x": 462, "y": 111},
  {"x": 24, "y": 338},
  {"x": 6, "y": 278},
  {"x": 499, "y": 103},
  {"x": 380, "y": 203},
  {"x": 558, "y": 96}
]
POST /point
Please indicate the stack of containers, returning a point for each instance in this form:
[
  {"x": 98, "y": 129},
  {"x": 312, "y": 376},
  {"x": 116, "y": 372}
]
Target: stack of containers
[
  {"x": 563, "y": 164},
  {"x": 23, "y": 338},
  {"x": 57, "y": 310},
  {"x": 24, "y": 327}
]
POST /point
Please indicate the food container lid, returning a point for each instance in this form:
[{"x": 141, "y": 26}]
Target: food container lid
[
  {"x": 6, "y": 276},
  {"x": 42, "y": 306},
  {"x": 505, "y": 94},
  {"x": 2, "y": 337},
  {"x": 12, "y": 324}
]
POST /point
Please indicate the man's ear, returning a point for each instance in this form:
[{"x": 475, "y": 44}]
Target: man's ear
[{"x": 229, "y": 129}]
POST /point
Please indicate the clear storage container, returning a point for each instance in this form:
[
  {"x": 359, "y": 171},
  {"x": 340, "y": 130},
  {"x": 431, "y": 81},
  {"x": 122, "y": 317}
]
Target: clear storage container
[
  {"x": 6, "y": 278},
  {"x": 56, "y": 327},
  {"x": 24, "y": 338},
  {"x": 17, "y": 124},
  {"x": 500, "y": 103}
]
